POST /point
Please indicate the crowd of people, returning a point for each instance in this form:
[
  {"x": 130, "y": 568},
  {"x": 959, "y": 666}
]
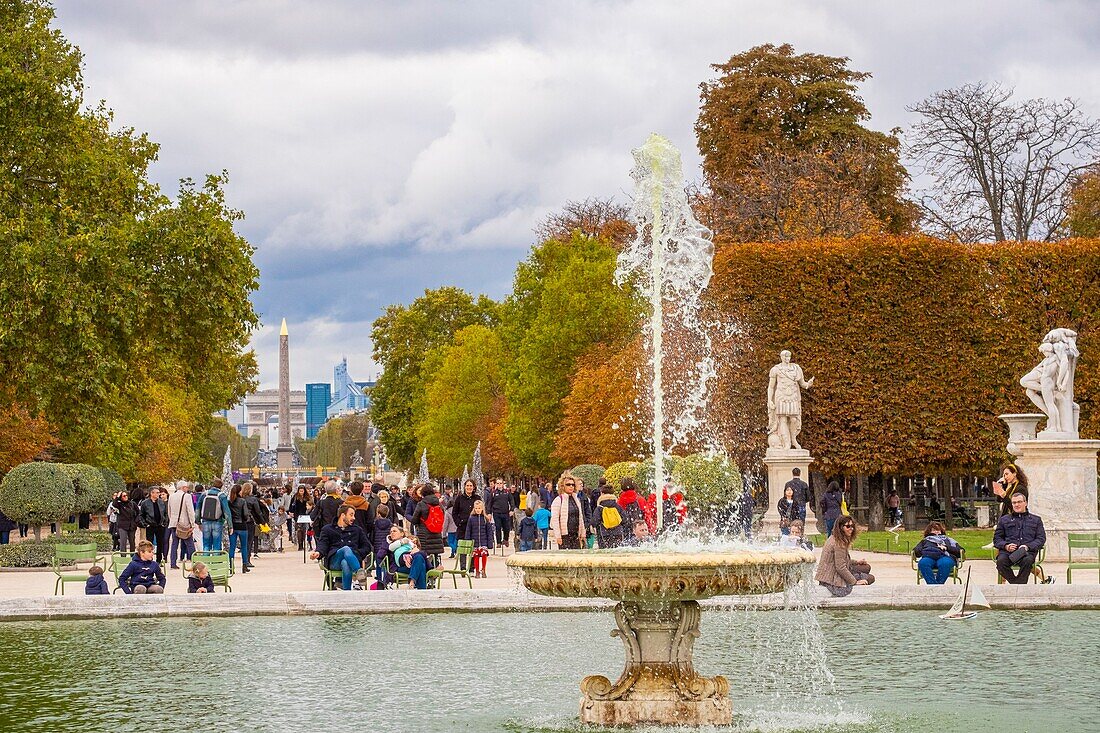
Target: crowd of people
[{"x": 403, "y": 534}]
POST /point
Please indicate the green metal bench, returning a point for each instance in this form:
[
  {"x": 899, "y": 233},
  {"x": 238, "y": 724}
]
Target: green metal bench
[
  {"x": 1037, "y": 574},
  {"x": 462, "y": 563},
  {"x": 1090, "y": 543},
  {"x": 954, "y": 570},
  {"x": 73, "y": 555},
  {"x": 217, "y": 564}
]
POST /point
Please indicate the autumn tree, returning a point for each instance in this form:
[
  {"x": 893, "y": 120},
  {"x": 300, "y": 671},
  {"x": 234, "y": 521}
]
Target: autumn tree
[
  {"x": 595, "y": 218},
  {"x": 1000, "y": 169},
  {"x": 564, "y": 301},
  {"x": 1083, "y": 207},
  {"x": 777, "y": 126},
  {"x": 23, "y": 435},
  {"x": 463, "y": 400},
  {"x": 401, "y": 338},
  {"x": 603, "y": 421}
]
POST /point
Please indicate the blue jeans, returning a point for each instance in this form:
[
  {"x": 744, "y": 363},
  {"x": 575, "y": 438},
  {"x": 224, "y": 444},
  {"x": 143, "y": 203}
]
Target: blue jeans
[
  {"x": 545, "y": 538},
  {"x": 347, "y": 563},
  {"x": 525, "y": 545},
  {"x": 452, "y": 542},
  {"x": 181, "y": 549},
  {"x": 829, "y": 527},
  {"x": 936, "y": 572},
  {"x": 4, "y": 535},
  {"x": 418, "y": 572},
  {"x": 238, "y": 536},
  {"x": 211, "y": 536}
]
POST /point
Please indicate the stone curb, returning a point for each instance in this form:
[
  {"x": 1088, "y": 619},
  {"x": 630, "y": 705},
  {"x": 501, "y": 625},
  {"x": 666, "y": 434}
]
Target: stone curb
[{"x": 307, "y": 603}]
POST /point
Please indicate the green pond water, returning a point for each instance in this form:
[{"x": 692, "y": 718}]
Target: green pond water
[{"x": 890, "y": 671}]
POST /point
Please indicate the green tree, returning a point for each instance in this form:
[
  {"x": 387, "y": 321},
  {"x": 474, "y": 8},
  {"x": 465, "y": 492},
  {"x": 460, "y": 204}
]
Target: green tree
[
  {"x": 146, "y": 300},
  {"x": 563, "y": 303},
  {"x": 459, "y": 396},
  {"x": 770, "y": 104},
  {"x": 401, "y": 339},
  {"x": 341, "y": 437},
  {"x": 37, "y": 494}
]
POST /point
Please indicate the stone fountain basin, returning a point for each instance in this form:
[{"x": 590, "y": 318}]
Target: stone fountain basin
[{"x": 641, "y": 575}]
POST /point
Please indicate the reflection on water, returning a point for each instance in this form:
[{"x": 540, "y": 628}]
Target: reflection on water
[{"x": 894, "y": 671}]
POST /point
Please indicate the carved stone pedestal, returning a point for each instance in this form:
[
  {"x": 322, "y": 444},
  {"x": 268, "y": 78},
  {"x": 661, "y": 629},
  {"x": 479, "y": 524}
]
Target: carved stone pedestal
[
  {"x": 659, "y": 684},
  {"x": 780, "y": 462}
]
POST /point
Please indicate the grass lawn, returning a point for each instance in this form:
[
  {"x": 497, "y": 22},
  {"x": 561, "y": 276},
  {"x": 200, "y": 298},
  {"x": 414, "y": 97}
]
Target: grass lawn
[{"x": 971, "y": 539}]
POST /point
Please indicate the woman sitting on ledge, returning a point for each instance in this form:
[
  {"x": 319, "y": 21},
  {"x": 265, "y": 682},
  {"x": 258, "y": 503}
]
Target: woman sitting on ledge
[
  {"x": 937, "y": 554},
  {"x": 836, "y": 571}
]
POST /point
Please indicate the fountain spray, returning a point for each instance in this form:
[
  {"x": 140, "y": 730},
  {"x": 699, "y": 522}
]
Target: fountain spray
[{"x": 671, "y": 258}]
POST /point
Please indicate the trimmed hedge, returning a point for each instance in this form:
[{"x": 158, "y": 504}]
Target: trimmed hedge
[
  {"x": 590, "y": 473},
  {"x": 616, "y": 472},
  {"x": 710, "y": 483},
  {"x": 90, "y": 487},
  {"x": 39, "y": 554},
  {"x": 113, "y": 479},
  {"x": 37, "y": 494}
]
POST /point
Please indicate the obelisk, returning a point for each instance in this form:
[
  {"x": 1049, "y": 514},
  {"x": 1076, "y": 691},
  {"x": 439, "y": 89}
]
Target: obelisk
[{"x": 284, "y": 453}]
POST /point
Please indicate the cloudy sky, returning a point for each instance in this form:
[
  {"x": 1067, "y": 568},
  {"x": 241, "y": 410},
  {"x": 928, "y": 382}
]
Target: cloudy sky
[{"x": 381, "y": 148}]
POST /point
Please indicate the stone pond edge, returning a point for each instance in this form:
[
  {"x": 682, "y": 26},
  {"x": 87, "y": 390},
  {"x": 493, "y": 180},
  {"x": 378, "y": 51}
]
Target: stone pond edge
[{"x": 304, "y": 603}]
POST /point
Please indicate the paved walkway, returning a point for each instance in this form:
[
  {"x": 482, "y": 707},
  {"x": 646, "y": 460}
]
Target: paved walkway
[{"x": 286, "y": 573}]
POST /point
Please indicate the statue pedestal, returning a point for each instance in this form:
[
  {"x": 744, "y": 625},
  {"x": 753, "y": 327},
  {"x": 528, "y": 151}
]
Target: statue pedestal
[
  {"x": 780, "y": 463},
  {"x": 284, "y": 458},
  {"x": 1061, "y": 477}
]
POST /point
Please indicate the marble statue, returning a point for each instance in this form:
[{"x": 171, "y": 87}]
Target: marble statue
[
  {"x": 1050, "y": 384},
  {"x": 785, "y": 382},
  {"x": 356, "y": 459}
]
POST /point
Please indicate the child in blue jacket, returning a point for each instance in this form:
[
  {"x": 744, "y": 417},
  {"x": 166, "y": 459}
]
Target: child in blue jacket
[{"x": 96, "y": 584}]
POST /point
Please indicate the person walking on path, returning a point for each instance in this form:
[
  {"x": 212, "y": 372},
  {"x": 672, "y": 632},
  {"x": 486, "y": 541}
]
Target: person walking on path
[
  {"x": 428, "y": 519},
  {"x": 463, "y": 506},
  {"x": 567, "y": 516},
  {"x": 153, "y": 515},
  {"x": 238, "y": 509},
  {"x": 214, "y": 513},
  {"x": 181, "y": 524},
  {"x": 127, "y": 522},
  {"x": 830, "y": 506}
]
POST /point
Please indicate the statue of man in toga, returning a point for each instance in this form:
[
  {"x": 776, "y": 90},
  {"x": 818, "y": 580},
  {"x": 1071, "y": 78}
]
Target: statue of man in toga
[{"x": 785, "y": 382}]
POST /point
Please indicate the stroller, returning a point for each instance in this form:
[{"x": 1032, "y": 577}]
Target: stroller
[{"x": 272, "y": 540}]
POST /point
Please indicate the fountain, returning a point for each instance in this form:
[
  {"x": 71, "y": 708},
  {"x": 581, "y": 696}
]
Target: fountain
[{"x": 658, "y": 588}]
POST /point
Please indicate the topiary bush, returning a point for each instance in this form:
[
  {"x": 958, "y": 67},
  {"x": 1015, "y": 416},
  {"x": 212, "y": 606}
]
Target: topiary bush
[
  {"x": 644, "y": 476},
  {"x": 36, "y": 494},
  {"x": 26, "y": 554},
  {"x": 90, "y": 487},
  {"x": 113, "y": 479},
  {"x": 711, "y": 484},
  {"x": 616, "y": 472},
  {"x": 590, "y": 473},
  {"x": 102, "y": 540}
]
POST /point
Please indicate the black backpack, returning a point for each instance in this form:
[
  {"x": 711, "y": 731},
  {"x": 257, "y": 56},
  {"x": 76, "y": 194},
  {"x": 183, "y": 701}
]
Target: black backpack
[{"x": 211, "y": 508}]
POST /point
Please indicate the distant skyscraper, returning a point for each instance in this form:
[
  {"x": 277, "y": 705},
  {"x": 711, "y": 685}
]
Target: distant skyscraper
[
  {"x": 318, "y": 398},
  {"x": 347, "y": 396}
]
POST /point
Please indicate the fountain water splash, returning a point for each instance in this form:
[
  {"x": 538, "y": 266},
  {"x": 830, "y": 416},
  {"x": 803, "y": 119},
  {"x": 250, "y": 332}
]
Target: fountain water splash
[{"x": 670, "y": 263}]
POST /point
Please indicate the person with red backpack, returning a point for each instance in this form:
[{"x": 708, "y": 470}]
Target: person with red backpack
[{"x": 427, "y": 521}]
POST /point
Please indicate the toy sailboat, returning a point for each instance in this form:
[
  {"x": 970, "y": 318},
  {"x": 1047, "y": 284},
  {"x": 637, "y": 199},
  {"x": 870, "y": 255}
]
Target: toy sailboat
[{"x": 958, "y": 611}]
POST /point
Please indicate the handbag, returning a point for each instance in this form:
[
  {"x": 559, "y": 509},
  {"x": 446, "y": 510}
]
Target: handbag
[{"x": 183, "y": 534}]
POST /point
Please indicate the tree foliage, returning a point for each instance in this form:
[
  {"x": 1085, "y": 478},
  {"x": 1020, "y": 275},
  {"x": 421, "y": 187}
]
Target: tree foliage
[
  {"x": 783, "y": 129},
  {"x": 341, "y": 436},
  {"x": 563, "y": 303},
  {"x": 139, "y": 291},
  {"x": 1083, "y": 209},
  {"x": 463, "y": 403},
  {"x": 401, "y": 338},
  {"x": 90, "y": 487},
  {"x": 23, "y": 436},
  {"x": 1000, "y": 169},
  {"x": 916, "y": 344}
]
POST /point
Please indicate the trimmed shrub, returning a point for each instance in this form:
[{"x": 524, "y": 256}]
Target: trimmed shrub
[
  {"x": 644, "y": 477},
  {"x": 26, "y": 554},
  {"x": 590, "y": 473},
  {"x": 102, "y": 540},
  {"x": 616, "y": 472},
  {"x": 113, "y": 479},
  {"x": 37, "y": 494},
  {"x": 711, "y": 484},
  {"x": 90, "y": 487}
]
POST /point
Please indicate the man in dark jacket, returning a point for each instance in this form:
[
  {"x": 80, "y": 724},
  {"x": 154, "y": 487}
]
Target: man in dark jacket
[
  {"x": 1018, "y": 538},
  {"x": 343, "y": 545},
  {"x": 327, "y": 508},
  {"x": 153, "y": 512},
  {"x": 800, "y": 490},
  {"x": 500, "y": 506},
  {"x": 461, "y": 507}
]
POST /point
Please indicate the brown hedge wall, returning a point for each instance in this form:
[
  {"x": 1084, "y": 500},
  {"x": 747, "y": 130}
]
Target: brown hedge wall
[{"x": 917, "y": 343}]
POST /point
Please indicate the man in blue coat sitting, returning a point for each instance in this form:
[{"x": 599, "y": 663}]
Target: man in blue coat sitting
[{"x": 1018, "y": 538}]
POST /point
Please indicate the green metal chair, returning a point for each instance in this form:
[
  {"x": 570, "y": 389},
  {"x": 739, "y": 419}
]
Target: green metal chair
[
  {"x": 398, "y": 576},
  {"x": 73, "y": 555},
  {"x": 462, "y": 562},
  {"x": 217, "y": 564},
  {"x": 335, "y": 578},
  {"x": 954, "y": 570},
  {"x": 119, "y": 561},
  {"x": 1037, "y": 574},
  {"x": 1088, "y": 542}
]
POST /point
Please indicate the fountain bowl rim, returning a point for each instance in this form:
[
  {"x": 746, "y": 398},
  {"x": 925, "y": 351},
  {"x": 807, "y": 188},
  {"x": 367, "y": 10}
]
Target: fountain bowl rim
[{"x": 678, "y": 560}]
